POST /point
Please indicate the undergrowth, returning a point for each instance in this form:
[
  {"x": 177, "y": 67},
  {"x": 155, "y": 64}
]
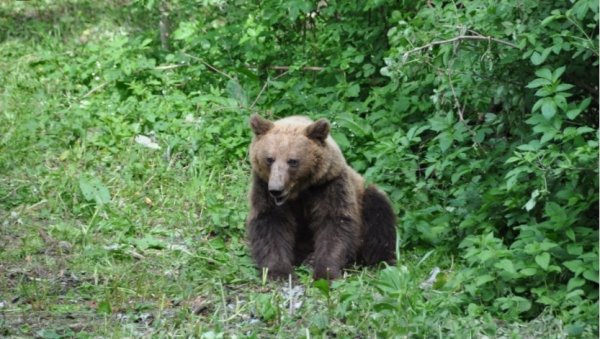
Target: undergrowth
[{"x": 487, "y": 147}]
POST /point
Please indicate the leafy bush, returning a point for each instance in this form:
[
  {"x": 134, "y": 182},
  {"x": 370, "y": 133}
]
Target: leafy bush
[{"x": 479, "y": 118}]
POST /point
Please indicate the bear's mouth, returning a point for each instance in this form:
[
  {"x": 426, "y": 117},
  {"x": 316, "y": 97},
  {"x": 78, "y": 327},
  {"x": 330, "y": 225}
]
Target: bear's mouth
[{"x": 279, "y": 200}]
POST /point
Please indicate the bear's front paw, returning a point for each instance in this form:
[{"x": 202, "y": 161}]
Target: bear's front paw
[
  {"x": 277, "y": 274},
  {"x": 326, "y": 272}
]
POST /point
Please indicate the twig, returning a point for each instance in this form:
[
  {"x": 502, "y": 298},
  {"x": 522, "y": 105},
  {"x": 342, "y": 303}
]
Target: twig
[
  {"x": 97, "y": 88},
  {"x": 458, "y": 38},
  {"x": 264, "y": 87},
  {"x": 305, "y": 68},
  {"x": 210, "y": 66},
  {"x": 461, "y": 112},
  {"x": 259, "y": 94},
  {"x": 166, "y": 67},
  {"x": 456, "y": 101}
]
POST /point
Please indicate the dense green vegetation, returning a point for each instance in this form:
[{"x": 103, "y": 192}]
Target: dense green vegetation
[{"x": 479, "y": 118}]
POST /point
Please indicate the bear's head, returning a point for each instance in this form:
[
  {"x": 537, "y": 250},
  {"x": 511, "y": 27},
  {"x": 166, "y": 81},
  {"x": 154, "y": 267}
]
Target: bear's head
[{"x": 292, "y": 154}]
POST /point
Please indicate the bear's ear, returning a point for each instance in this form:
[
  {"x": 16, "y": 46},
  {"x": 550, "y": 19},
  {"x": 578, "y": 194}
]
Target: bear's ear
[
  {"x": 259, "y": 125},
  {"x": 318, "y": 130}
]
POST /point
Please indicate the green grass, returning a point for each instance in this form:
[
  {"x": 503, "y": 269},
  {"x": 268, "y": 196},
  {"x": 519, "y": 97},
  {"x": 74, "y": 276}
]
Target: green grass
[{"x": 164, "y": 255}]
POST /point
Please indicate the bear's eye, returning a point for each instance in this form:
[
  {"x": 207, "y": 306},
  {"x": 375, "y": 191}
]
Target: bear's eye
[
  {"x": 293, "y": 162},
  {"x": 270, "y": 161}
]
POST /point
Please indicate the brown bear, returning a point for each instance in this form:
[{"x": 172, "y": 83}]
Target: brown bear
[{"x": 307, "y": 204}]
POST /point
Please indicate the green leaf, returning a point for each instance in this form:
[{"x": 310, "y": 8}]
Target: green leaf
[
  {"x": 539, "y": 82},
  {"x": 353, "y": 91},
  {"x": 548, "y": 135},
  {"x": 149, "y": 242},
  {"x": 528, "y": 271},
  {"x": 104, "y": 307},
  {"x": 323, "y": 286},
  {"x": 574, "y": 249},
  {"x": 93, "y": 190},
  {"x": 446, "y": 139},
  {"x": 506, "y": 265},
  {"x": 584, "y": 130},
  {"x": 575, "y": 266},
  {"x": 537, "y": 58},
  {"x": 591, "y": 275},
  {"x": 574, "y": 283},
  {"x": 548, "y": 109},
  {"x": 483, "y": 279},
  {"x": 557, "y": 73},
  {"x": 560, "y": 101},
  {"x": 573, "y": 113},
  {"x": 341, "y": 140},
  {"x": 563, "y": 87},
  {"x": 544, "y": 73},
  {"x": 557, "y": 214},
  {"x": 543, "y": 260},
  {"x": 570, "y": 234}
]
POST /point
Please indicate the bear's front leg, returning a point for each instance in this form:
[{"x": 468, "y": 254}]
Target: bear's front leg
[
  {"x": 336, "y": 225},
  {"x": 335, "y": 245},
  {"x": 271, "y": 232}
]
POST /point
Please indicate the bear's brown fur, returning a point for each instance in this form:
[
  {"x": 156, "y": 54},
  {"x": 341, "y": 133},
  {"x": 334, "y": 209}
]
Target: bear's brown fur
[{"x": 307, "y": 204}]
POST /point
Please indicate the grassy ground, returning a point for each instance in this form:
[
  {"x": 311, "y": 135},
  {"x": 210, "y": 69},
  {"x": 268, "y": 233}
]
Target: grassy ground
[{"x": 100, "y": 236}]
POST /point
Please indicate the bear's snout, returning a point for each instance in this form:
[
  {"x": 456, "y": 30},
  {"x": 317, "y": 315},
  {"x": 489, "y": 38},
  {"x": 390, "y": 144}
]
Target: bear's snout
[{"x": 277, "y": 184}]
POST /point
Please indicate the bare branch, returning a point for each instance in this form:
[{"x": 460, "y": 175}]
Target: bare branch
[
  {"x": 305, "y": 68},
  {"x": 259, "y": 94},
  {"x": 97, "y": 88},
  {"x": 166, "y": 67},
  {"x": 456, "y": 101},
  {"x": 459, "y": 38},
  {"x": 210, "y": 66},
  {"x": 264, "y": 87}
]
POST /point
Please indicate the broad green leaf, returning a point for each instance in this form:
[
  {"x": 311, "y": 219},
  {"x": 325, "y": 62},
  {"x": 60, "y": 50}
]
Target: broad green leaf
[
  {"x": 575, "y": 266},
  {"x": 548, "y": 109},
  {"x": 574, "y": 249},
  {"x": 556, "y": 213},
  {"x": 543, "y": 260},
  {"x": 560, "y": 101},
  {"x": 528, "y": 271},
  {"x": 591, "y": 275},
  {"x": 548, "y": 135},
  {"x": 445, "y": 140},
  {"x": 570, "y": 234},
  {"x": 323, "y": 286},
  {"x": 537, "y": 58},
  {"x": 353, "y": 91},
  {"x": 483, "y": 279},
  {"x": 574, "y": 283},
  {"x": 584, "y": 130},
  {"x": 563, "y": 87},
  {"x": 544, "y": 73},
  {"x": 506, "y": 265},
  {"x": 557, "y": 73},
  {"x": 93, "y": 190},
  {"x": 573, "y": 113},
  {"x": 539, "y": 82}
]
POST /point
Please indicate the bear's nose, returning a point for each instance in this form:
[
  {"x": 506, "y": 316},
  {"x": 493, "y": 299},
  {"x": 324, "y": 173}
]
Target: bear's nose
[{"x": 276, "y": 193}]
